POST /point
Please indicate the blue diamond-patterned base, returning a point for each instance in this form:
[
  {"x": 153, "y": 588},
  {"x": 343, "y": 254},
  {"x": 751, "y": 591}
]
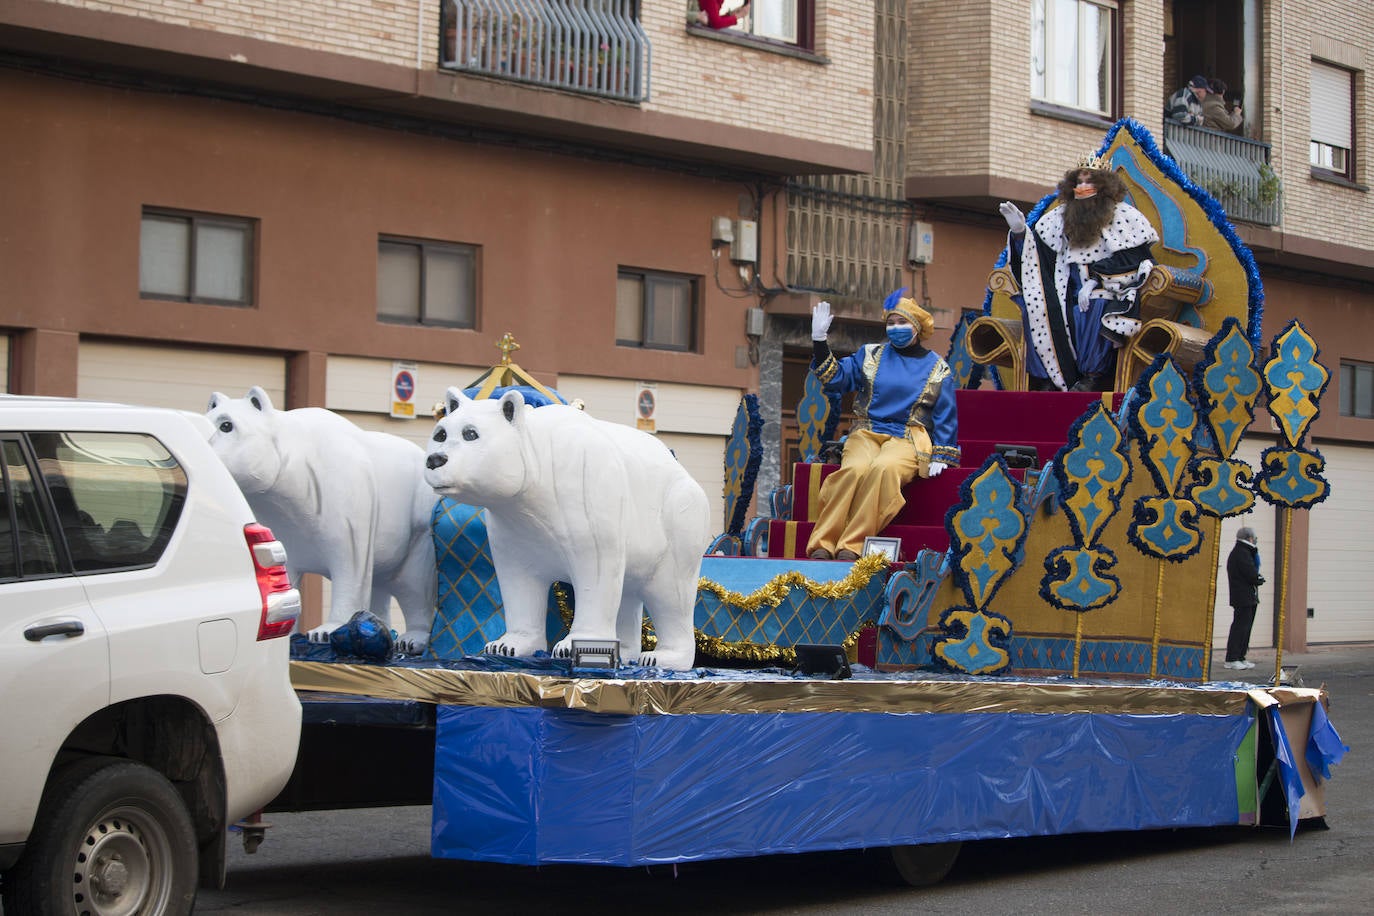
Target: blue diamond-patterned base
[
  {"x": 799, "y": 618},
  {"x": 896, "y": 651},
  {"x": 1053, "y": 655},
  {"x": 470, "y": 613}
]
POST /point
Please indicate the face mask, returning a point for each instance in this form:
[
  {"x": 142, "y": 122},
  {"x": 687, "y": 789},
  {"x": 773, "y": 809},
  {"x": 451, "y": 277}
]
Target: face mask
[{"x": 901, "y": 334}]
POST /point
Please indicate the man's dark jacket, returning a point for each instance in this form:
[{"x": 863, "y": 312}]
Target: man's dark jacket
[{"x": 1242, "y": 572}]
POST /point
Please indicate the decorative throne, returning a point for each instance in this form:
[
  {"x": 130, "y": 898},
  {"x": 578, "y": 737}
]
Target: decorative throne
[{"x": 1203, "y": 274}]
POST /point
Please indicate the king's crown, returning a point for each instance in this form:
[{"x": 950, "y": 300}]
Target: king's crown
[{"x": 1094, "y": 162}]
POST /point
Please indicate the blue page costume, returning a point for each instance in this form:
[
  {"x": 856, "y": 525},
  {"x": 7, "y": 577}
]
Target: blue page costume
[{"x": 905, "y": 424}]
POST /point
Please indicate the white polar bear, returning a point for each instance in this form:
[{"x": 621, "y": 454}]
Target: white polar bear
[
  {"x": 572, "y": 498},
  {"x": 348, "y": 504}
]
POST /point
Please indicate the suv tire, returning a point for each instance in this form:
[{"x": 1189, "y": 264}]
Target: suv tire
[{"x": 112, "y": 838}]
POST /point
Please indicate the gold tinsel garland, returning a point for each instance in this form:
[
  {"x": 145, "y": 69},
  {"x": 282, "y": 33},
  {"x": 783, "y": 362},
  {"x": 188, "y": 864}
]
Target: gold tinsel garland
[
  {"x": 771, "y": 594},
  {"x": 647, "y": 639}
]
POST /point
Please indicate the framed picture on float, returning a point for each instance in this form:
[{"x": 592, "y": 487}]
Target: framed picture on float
[{"x": 888, "y": 547}]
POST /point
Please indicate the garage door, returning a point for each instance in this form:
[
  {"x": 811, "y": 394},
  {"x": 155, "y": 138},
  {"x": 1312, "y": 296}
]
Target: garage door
[
  {"x": 360, "y": 389},
  {"x": 693, "y": 420},
  {"x": 417, "y": 431},
  {"x": 178, "y": 377},
  {"x": 1260, "y": 518},
  {"x": 1340, "y": 568},
  {"x": 704, "y": 459}
]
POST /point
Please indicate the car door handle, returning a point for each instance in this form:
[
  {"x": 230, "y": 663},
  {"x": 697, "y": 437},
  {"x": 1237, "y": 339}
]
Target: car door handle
[{"x": 66, "y": 628}]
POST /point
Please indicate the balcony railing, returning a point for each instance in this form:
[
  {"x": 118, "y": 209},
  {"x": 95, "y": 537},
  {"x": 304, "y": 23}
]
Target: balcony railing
[
  {"x": 595, "y": 47},
  {"x": 1235, "y": 170}
]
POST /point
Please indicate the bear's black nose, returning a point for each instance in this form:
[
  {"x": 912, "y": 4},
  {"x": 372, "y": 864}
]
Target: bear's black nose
[{"x": 436, "y": 461}]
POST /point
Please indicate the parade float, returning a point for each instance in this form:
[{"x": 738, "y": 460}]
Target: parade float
[{"x": 1029, "y": 655}]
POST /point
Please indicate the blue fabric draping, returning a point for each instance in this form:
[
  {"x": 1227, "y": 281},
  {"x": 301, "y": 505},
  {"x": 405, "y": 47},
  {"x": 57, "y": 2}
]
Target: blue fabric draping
[{"x": 530, "y": 786}]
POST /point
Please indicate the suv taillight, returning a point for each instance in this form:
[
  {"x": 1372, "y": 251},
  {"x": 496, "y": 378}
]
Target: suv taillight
[{"x": 281, "y": 604}]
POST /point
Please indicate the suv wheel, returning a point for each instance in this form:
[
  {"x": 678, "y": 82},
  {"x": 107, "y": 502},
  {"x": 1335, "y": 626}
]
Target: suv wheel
[{"x": 112, "y": 838}]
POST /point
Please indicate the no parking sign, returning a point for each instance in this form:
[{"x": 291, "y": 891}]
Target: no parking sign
[{"x": 404, "y": 378}]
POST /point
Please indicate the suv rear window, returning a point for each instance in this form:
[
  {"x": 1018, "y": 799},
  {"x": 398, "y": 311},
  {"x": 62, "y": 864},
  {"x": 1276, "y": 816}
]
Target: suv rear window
[
  {"x": 26, "y": 543},
  {"x": 118, "y": 495}
]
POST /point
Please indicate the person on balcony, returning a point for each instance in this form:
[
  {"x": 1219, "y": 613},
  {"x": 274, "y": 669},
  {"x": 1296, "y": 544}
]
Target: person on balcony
[
  {"x": 905, "y": 425},
  {"x": 1185, "y": 105},
  {"x": 1079, "y": 269},
  {"x": 710, "y": 14},
  {"x": 1215, "y": 114}
]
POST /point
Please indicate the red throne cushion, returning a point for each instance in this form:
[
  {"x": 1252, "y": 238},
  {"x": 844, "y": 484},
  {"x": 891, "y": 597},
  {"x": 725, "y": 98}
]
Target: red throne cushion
[{"x": 986, "y": 419}]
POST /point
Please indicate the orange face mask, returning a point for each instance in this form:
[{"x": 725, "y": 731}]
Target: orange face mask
[{"x": 1084, "y": 191}]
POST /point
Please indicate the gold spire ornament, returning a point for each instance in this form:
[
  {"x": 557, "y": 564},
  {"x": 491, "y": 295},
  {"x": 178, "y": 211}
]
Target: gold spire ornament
[{"x": 506, "y": 373}]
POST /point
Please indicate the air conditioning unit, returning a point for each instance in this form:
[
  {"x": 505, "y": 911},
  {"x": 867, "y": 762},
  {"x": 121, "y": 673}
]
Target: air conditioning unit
[{"x": 920, "y": 248}]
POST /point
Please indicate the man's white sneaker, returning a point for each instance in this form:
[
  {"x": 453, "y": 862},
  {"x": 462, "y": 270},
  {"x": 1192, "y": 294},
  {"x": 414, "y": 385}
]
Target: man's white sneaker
[
  {"x": 1246, "y": 663},
  {"x": 1234, "y": 666}
]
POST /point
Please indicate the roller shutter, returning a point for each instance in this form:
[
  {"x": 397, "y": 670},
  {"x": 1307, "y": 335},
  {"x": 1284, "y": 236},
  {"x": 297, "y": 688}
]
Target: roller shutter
[
  {"x": 178, "y": 377},
  {"x": 1340, "y": 565}
]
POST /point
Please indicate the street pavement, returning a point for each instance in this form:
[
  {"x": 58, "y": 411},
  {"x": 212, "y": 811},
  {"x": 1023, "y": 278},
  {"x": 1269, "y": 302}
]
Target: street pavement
[{"x": 367, "y": 863}]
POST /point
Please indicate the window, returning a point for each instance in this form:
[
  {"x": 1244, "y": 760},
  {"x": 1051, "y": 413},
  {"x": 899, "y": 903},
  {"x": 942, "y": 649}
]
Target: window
[
  {"x": 195, "y": 258},
  {"x": 1357, "y": 390},
  {"x": 429, "y": 283},
  {"x": 26, "y": 540},
  {"x": 118, "y": 496},
  {"x": 1073, "y": 56},
  {"x": 1332, "y": 116},
  {"x": 657, "y": 311},
  {"x": 786, "y": 21}
]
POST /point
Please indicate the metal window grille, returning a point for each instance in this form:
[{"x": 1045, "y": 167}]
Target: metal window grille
[{"x": 596, "y": 47}]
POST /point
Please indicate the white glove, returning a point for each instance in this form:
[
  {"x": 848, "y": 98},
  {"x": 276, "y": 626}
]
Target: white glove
[
  {"x": 1016, "y": 220},
  {"x": 820, "y": 320},
  {"x": 936, "y": 468}
]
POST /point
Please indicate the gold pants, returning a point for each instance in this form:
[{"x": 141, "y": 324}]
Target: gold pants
[{"x": 859, "y": 499}]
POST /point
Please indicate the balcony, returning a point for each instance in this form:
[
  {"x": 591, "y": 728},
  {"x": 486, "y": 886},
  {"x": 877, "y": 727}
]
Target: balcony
[
  {"x": 1234, "y": 170},
  {"x": 592, "y": 47}
]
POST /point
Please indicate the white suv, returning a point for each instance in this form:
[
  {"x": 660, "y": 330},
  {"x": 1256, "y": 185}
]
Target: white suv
[{"x": 145, "y": 700}]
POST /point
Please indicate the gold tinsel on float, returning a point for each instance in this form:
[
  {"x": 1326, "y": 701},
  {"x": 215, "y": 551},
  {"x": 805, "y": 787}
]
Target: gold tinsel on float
[{"x": 772, "y": 594}]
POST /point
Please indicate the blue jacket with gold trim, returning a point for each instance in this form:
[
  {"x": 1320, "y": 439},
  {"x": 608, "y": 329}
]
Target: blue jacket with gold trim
[{"x": 896, "y": 391}]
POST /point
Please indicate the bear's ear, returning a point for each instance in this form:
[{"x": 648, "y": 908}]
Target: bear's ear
[
  {"x": 215, "y": 400},
  {"x": 454, "y": 398},
  {"x": 511, "y": 402},
  {"x": 259, "y": 399}
]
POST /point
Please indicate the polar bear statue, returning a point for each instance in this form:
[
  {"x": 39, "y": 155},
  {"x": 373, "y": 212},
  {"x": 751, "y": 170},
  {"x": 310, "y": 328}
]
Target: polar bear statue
[
  {"x": 348, "y": 504},
  {"x": 576, "y": 499}
]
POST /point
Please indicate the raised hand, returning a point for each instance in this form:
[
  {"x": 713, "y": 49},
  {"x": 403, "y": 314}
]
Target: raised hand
[
  {"x": 1016, "y": 220},
  {"x": 820, "y": 320}
]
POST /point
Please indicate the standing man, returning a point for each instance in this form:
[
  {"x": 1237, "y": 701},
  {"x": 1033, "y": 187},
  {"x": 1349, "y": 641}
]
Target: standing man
[
  {"x": 905, "y": 424},
  {"x": 1243, "y": 575},
  {"x": 1079, "y": 268}
]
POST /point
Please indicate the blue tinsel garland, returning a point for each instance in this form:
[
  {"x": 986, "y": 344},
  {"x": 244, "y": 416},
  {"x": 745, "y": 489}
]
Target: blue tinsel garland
[{"x": 754, "y": 425}]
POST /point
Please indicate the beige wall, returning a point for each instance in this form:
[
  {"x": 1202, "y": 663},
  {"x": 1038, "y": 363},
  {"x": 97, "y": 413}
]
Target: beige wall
[
  {"x": 1338, "y": 32},
  {"x": 693, "y": 76},
  {"x": 970, "y": 114},
  {"x": 969, "y": 90}
]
